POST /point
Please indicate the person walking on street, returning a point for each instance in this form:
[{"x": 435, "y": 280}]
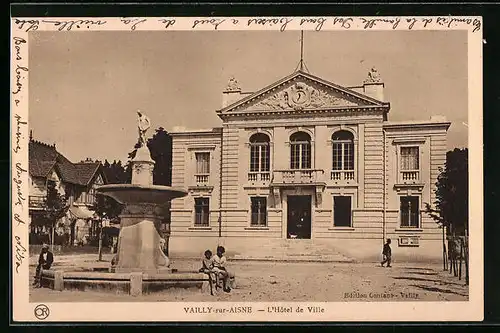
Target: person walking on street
[{"x": 386, "y": 252}]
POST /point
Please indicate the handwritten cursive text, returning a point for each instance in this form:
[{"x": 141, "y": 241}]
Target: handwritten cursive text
[
  {"x": 20, "y": 252},
  {"x": 19, "y": 133},
  {"x": 71, "y": 24},
  {"x": 20, "y": 198}
]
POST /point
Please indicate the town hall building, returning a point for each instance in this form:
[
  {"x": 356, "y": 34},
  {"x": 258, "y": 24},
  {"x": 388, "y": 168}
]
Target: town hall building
[{"x": 307, "y": 160}]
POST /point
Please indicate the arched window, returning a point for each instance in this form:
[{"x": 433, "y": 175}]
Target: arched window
[
  {"x": 259, "y": 153},
  {"x": 300, "y": 151},
  {"x": 343, "y": 154}
]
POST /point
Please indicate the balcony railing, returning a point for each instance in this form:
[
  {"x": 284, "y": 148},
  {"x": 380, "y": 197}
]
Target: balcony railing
[
  {"x": 259, "y": 176},
  {"x": 37, "y": 201},
  {"x": 202, "y": 179},
  {"x": 297, "y": 177},
  {"x": 342, "y": 175},
  {"x": 410, "y": 176}
]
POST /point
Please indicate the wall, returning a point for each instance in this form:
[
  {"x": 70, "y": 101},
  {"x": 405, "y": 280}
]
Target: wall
[
  {"x": 184, "y": 147},
  {"x": 431, "y": 140}
]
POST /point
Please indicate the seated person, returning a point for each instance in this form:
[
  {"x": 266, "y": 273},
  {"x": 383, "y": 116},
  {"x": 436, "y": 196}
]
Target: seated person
[
  {"x": 45, "y": 260},
  {"x": 219, "y": 261},
  {"x": 207, "y": 263}
]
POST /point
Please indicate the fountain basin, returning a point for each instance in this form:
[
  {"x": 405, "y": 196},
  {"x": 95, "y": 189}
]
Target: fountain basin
[
  {"x": 134, "y": 284},
  {"x": 137, "y": 194}
]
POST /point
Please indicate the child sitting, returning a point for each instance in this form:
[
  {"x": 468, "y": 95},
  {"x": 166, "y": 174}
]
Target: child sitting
[
  {"x": 207, "y": 264},
  {"x": 219, "y": 262}
]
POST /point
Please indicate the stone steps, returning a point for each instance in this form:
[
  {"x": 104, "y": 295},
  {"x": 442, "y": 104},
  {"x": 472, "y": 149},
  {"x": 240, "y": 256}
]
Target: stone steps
[{"x": 295, "y": 250}]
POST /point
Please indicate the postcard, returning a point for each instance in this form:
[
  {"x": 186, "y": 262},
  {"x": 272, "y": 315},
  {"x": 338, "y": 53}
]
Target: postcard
[{"x": 246, "y": 169}]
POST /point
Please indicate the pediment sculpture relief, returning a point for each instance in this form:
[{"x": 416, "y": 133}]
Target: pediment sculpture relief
[{"x": 300, "y": 96}]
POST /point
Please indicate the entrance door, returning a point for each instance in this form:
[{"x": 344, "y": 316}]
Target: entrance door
[{"x": 299, "y": 216}]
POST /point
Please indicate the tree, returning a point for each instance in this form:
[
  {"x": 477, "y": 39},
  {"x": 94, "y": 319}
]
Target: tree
[
  {"x": 451, "y": 207},
  {"x": 106, "y": 207},
  {"x": 160, "y": 146},
  {"x": 56, "y": 208}
]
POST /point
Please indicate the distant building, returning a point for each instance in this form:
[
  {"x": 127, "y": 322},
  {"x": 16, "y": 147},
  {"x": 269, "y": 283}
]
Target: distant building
[
  {"x": 304, "y": 158},
  {"x": 75, "y": 180}
]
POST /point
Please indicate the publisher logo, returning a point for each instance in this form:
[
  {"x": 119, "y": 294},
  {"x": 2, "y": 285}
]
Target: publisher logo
[{"x": 42, "y": 311}]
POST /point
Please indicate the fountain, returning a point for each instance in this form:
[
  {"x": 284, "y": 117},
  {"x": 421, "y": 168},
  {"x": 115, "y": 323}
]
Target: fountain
[
  {"x": 140, "y": 264},
  {"x": 139, "y": 248}
]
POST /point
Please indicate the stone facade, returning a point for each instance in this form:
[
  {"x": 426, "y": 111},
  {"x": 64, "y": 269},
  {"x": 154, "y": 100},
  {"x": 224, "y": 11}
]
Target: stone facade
[{"x": 305, "y": 159}]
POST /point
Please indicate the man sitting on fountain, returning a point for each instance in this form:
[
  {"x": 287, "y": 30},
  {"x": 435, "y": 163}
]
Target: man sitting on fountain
[
  {"x": 45, "y": 260},
  {"x": 219, "y": 261}
]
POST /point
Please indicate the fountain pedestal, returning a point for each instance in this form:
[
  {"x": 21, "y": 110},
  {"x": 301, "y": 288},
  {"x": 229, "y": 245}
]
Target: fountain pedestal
[
  {"x": 139, "y": 248},
  {"x": 139, "y": 242}
]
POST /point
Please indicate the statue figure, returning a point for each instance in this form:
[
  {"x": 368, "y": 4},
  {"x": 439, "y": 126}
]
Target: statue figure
[
  {"x": 233, "y": 85},
  {"x": 373, "y": 75},
  {"x": 143, "y": 125}
]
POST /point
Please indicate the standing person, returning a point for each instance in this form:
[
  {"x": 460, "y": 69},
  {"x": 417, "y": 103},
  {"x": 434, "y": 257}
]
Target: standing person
[
  {"x": 45, "y": 260},
  {"x": 386, "y": 252},
  {"x": 219, "y": 262}
]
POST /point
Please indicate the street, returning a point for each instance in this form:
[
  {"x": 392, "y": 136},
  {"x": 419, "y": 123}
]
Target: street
[{"x": 285, "y": 281}]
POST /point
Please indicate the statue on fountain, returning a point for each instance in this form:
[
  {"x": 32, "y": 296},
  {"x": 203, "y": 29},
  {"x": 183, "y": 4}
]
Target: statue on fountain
[{"x": 143, "y": 124}]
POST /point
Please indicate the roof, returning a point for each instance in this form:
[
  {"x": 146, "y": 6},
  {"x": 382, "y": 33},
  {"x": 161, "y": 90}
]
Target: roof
[
  {"x": 43, "y": 158},
  {"x": 370, "y": 102},
  {"x": 185, "y": 131},
  {"x": 81, "y": 212},
  {"x": 417, "y": 123}
]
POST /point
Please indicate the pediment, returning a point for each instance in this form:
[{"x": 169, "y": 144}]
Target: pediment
[
  {"x": 301, "y": 91},
  {"x": 300, "y": 95}
]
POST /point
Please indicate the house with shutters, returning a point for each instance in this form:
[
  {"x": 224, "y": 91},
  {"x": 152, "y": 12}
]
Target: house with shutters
[
  {"x": 77, "y": 181},
  {"x": 306, "y": 160}
]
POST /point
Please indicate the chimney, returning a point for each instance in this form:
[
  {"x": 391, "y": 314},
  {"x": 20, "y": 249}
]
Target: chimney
[
  {"x": 373, "y": 85},
  {"x": 232, "y": 93}
]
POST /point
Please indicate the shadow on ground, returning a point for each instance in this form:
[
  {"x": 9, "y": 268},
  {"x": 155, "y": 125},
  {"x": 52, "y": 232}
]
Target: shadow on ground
[
  {"x": 441, "y": 282},
  {"x": 437, "y": 290}
]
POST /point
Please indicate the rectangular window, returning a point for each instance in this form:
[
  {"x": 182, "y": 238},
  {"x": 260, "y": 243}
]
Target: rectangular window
[
  {"x": 295, "y": 156},
  {"x": 259, "y": 211},
  {"x": 264, "y": 159},
  {"x": 343, "y": 156},
  {"x": 202, "y": 213},
  {"x": 348, "y": 156},
  {"x": 254, "y": 159},
  {"x": 409, "y": 212},
  {"x": 306, "y": 156},
  {"x": 202, "y": 163},
  {"x": 409, "y": 158},
  {"x": 90, "y": 197},
  {"x": 342, "y": 211},
  {"x": 337, "y": 156}
]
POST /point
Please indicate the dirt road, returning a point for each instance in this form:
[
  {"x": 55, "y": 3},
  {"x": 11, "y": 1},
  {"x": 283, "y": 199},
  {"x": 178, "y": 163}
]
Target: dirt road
[{"x": 278, "y": 281}]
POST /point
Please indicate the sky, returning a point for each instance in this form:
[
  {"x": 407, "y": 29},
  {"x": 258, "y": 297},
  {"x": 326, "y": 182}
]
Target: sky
[{"x": 85, "y": 87}]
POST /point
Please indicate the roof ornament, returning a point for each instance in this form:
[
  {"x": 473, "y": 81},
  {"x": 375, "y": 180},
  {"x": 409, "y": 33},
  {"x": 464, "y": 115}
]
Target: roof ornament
[
  {"x": 373, "y": 76},
  {"x": 233, "y": 85}
]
